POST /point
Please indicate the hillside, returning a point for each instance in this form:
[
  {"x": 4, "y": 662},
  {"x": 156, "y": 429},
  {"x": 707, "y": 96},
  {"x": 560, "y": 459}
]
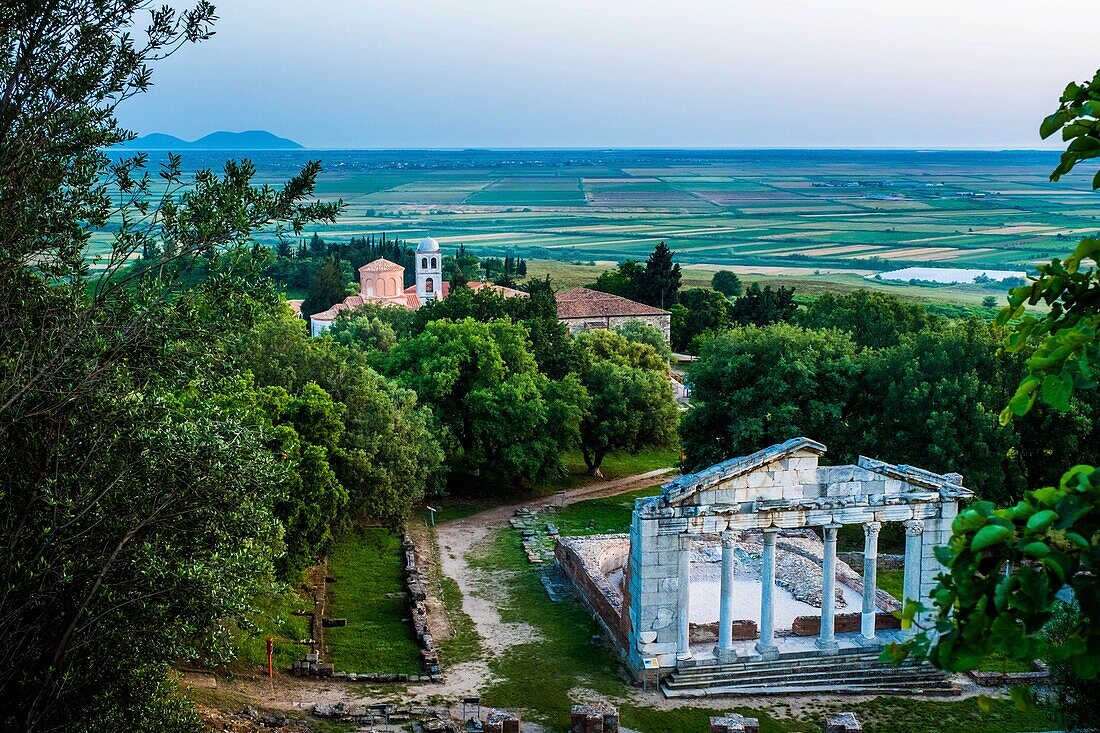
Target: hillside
[{"x": 221, "y": 140}]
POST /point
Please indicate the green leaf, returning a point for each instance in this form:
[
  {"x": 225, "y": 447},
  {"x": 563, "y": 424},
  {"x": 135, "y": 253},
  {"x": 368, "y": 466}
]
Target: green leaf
[
  {"x": 1035, "y": 549},
  {"x": 1051, "y": 124},
  {"x": 1057, "y": 389},
  {"x": 1041, "y": 520},
  {"x": 990, "y": 535}
]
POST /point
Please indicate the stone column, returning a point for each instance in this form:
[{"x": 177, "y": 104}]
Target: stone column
[
  {"x": 914, "y": 528},
  {"x": 724, "y": 651},
  {"x": 683, "y": 641},
  {"x": 826, "y": 640},
  {"x": 870, "y": 580},
  {"x": 766, "y": 646}
]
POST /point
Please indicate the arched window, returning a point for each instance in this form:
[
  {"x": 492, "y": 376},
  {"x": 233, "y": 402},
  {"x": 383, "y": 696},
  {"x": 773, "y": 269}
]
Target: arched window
[
  {"x": 429, "y": 286},
  {"x": 433, "y": 263},
  {"x": 369, "y": 290},
  {"x": 391, "y": 286},
  {"x": 424, "y": 262}
]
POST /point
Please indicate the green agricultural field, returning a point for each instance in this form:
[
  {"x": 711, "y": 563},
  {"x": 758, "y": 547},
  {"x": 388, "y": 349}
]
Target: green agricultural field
[{"x": 842, "y": 213}]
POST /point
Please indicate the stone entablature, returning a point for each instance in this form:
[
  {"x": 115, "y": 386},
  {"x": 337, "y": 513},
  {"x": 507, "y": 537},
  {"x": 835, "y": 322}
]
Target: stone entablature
[{"x": 781, "y": 487}]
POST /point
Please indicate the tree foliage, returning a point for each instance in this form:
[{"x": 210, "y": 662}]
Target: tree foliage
[
  {"x": 138, "y": 510},
  {"x": 1006, "y": 567},
  {"x": 873, "y": 319},
  {"x": 630, "y": 399},
  {"x": 494, "y": 408},
  {"x": 727, "y": 283},
  {"x": 754, "y": 387}
]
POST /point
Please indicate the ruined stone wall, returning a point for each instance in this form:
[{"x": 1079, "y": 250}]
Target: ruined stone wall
[{"x": 586, "y": 562}]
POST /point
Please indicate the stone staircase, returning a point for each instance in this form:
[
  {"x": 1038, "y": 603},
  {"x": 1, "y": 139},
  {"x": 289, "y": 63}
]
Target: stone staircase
[{"x": 852, "y": 671}]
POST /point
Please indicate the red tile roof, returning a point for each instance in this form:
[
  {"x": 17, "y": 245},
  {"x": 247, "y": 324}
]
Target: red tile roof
[{"x": 586, "y": 303}]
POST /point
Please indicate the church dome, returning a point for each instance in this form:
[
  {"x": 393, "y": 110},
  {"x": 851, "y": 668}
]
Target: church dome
[{"x": 427, "y": 245}]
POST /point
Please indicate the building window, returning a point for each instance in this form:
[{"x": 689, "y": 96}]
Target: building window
[
  {"x": 424, "y": 262},
  {"x": 429, "y": 286},
  {"x": 369, "y": 290},
  {"x": 433, "y": 263}
]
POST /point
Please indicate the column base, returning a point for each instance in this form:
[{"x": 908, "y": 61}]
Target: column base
[
  {"x": 827, "y": 646},
  {"x": 684, "y": 657},
  {"x": 767, "y": 651},
  {"x": 868, "y": 641},
  {"x": 725, "y": 656}
]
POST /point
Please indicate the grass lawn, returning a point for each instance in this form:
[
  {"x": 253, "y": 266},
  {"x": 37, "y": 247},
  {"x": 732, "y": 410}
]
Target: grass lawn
[
  {"x": 601, "y": 516},
  {"x": 370, "y": 594},
  {"x": 275, "y": 618},
  {"x": 615, "y": 466},
  {"x": 891, "y": 581}
]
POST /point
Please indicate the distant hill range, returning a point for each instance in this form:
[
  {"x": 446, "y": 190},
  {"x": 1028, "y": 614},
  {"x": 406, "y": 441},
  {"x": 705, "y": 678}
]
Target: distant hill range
[{"x": 248, "y": 140}]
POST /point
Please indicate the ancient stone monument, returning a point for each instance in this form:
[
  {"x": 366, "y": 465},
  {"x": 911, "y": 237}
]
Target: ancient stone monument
[{"x": 774, "y": 494}]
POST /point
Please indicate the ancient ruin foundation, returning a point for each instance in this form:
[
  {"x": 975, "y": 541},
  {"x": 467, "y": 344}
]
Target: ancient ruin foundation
[{"x": 730, "y": 554}]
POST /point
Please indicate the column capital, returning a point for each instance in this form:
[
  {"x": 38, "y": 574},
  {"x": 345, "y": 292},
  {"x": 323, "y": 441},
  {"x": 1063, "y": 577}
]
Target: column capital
[
  {"x": 871, "y": 529},
  {"x": 685, "y": 541},
  {"x": 769, "y": 535},
  {"x": 914, "y": 526},
  {"x": 729, "y": 539},
  {"x": 829, "y": 530}
]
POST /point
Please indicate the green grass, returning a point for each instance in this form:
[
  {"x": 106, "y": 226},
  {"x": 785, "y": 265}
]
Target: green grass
[
  {"x": 369, "y": 592},
  {"x": 891, "y": 581},
  {"x": 610, "y": 514},
  {"x": 880, "y": 715},
  {"x": 538, "y": 676},
  {"x": 275, "y": 617},
  {"x": 615, "y": 466}
]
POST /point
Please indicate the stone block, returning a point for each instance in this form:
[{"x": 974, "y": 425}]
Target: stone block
[
  {"x": 842, "y": 723},
  {"x": 734, "y": 723}
]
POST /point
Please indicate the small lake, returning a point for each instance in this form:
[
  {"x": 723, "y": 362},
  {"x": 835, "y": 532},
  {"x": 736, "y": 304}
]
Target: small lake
[{"x": 945, "y": 275}]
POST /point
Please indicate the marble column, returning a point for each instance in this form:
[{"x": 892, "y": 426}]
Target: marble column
[
  {"x": 826, "y": 640},
  {"x": 914, "y": 528},
  {"x": 683, "y": 643},
  {"x": 766, "y": 646},
  {"x": 724, "y": 651},
  {"x": 870, "y": 581}
]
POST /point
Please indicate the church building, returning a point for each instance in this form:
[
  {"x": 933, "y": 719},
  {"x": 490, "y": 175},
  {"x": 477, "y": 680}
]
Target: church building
[{"x": 381, "y": 282}]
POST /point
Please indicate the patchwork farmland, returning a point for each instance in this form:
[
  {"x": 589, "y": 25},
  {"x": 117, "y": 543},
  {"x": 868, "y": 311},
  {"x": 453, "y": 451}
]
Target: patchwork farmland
[{"x": 828, "y": 212}]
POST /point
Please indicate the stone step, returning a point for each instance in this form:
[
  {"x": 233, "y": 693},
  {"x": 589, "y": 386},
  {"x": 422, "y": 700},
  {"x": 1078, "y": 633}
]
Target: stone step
[
  {"x": 824, "y": 665},
  {"x": 851, "y": 671},
  {"x": 862, "y": 676},
  {"x": 943, "y": 688}
]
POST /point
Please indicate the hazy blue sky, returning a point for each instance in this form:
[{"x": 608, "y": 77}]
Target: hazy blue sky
[{"x": 628, "y": 73}]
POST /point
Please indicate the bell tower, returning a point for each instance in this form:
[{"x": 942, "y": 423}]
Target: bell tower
[{"x": 429, "y": 270}]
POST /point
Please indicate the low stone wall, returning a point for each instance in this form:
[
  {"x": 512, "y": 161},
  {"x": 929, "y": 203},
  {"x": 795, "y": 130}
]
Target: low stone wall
[
  {"x": 586, "y": 561},
  {"x": 743, "y": 630},
  {"x": 885, "y": 562},
  {"x": 1040, "y": 676},
  {"x": 844, "y": 623},
  {"x": 417, "y": 594}
]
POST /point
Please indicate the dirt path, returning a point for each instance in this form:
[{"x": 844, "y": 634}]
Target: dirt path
[{"x": 458, "y": 538}]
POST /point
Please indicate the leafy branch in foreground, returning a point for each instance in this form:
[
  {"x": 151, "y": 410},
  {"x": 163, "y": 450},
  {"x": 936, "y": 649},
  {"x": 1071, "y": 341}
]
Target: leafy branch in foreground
[
  {"x": 1010, "y": 570},
  {"x": 1078, "y": 117}
]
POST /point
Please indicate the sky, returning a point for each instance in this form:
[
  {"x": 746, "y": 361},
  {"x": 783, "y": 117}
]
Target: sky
[{"x": 627, "y": 73}]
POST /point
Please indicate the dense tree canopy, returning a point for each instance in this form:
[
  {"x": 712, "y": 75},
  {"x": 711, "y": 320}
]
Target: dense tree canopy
[
  {"x": 727, "y": 283},
  {"x": 630, "y": 398},
  {"x": 753, "y": 387},
  {"x": 873, "y": 319},
  {"x": 494, "y": 408}
]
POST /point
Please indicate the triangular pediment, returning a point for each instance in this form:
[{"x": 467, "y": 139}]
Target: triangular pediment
[{"x": 681, "y": 489}]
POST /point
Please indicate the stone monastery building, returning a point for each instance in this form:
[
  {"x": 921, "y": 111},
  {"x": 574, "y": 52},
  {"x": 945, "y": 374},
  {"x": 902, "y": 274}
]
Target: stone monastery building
[{"x": 381, "y": 282}]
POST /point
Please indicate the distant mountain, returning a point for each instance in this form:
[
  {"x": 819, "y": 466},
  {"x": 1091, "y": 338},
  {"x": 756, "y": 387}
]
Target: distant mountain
[{"x": 221, "y": 140}]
